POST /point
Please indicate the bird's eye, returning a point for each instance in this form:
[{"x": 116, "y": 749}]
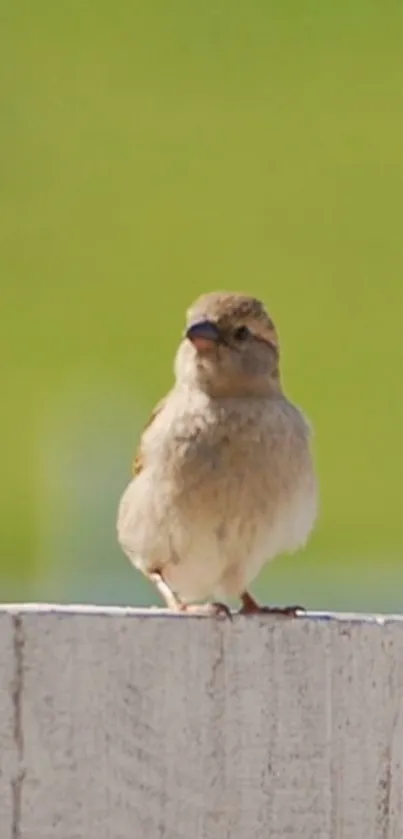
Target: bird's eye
[{"x": 241, "y": 333}]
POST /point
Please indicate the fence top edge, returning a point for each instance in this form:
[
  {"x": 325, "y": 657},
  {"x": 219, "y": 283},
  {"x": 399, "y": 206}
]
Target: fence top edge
[{"x": 75, "y": 609}]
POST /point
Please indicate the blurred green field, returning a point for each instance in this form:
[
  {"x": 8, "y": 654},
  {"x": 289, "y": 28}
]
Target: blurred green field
[{"x": 151, "y": 151}]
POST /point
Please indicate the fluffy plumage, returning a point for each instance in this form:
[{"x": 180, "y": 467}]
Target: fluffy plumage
[{"x": 223, "y": 479}]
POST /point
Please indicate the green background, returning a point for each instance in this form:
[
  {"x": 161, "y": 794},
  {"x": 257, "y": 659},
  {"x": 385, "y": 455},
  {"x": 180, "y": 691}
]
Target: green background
[{"x": 151, "y": 151}]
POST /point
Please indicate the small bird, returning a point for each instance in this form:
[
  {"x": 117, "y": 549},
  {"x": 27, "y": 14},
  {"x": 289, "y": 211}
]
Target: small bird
[{"x": 223, "y": 480}]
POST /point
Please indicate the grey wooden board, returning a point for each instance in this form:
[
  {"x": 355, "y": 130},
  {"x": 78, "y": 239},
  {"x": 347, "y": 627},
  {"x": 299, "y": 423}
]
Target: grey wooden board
[
  {"x": 141, "y": 724},
  {"x": 9, "y": 757}
]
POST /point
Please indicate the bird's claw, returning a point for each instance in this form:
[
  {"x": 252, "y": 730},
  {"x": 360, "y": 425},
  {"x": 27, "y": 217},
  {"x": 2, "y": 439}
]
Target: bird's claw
[{"x": 219, "y": 610}]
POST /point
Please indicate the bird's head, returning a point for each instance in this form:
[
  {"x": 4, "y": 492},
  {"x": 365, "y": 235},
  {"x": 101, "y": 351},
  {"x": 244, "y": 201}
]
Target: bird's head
[{"x": 230, "y": 347}]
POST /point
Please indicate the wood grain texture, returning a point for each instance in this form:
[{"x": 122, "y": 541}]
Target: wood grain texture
[
  {"x": 9, "y": 748},
  {"x": 139, "y": 724}
]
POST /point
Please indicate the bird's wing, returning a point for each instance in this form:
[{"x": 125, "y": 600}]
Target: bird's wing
[{"x": 139, "y": 461}]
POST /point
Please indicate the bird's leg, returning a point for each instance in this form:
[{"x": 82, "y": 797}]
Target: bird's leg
[
  {"x": 176, "y": 605},
  {"x": 171, "y": 600},
  {"x": 251, "y": 607}
]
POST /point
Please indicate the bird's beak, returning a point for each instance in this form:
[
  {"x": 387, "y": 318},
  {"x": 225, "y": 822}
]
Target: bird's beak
[{"x": 204, "y": 334}]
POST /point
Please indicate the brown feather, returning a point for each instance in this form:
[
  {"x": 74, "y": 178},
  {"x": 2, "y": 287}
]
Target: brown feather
[{"x": 138, "y": 462}]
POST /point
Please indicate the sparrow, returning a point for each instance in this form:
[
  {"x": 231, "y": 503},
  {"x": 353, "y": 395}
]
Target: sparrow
[{"x": 223, "y": 480}]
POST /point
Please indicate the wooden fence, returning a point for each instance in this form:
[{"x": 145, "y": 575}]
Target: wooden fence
[{"x": 124, "y": 724}]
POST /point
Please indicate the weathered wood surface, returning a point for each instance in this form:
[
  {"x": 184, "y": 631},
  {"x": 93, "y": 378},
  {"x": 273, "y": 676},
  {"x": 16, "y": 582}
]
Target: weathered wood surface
[{"x": 118, "y": 724}]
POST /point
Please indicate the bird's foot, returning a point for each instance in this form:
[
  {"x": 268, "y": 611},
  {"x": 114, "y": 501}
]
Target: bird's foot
[
  {"x": 218, "y": 610},
  {"x": 251, "y": 607}
]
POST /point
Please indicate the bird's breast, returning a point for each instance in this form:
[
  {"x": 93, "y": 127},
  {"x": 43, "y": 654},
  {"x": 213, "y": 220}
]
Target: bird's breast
[{"x": 241, "y": 465}]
